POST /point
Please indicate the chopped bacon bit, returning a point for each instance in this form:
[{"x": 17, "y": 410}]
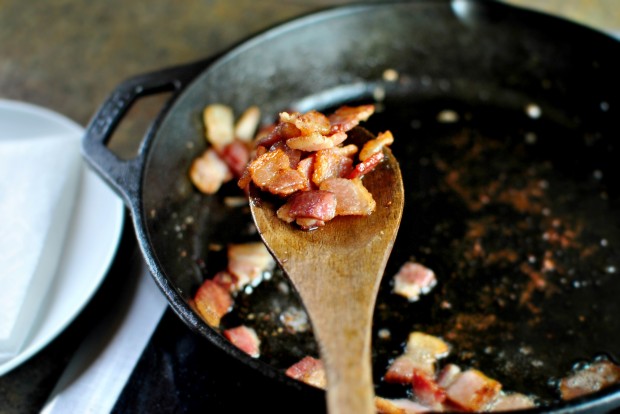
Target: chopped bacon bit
[
  {"x": 366, "y": 166},
  {"x": 412, "y": 280},
  {"x": 346, "y": 118},
  {"x": 447, "y": 375},
  {"x": 247, "y": 123},
  {"x": 511, "y": 402},
  {"x": 351, "y": 196},
  {"x": 227, "y": 280},
  {"x": 473, "y": 391},
  {"x": 245, "y": 339},
  {"x": 281, "y": 132},
  {"x": 219, "y": 125},
  {"x": 316, "y": 204},
  {"x": 248, "y": 261},
  {"x": 236, "y": 155},
  {"x": 402, "y": 368},
  {"x": 308, "y": 123},
  {"x": 310, "y": 371},
  {"x": 376, "y": 145},
  {"x": 421, "y": 342},
  {"x": 427, "y": 391},
  {"x": 332, "y": 163},
  {"x": 594, "y": 377},
  {"x": 208, "y": 172},
  {"x": 272, "y": 172},
  {"x": 294, "y": 156},
  {"x": 306, "y": 168},
  {"x": 398, "y": 406},
  {"x": 315, "y": 141},
  {"x": 212, "y": 302}
]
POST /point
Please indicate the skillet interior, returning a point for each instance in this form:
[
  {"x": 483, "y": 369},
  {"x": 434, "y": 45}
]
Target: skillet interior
[{"x": 486, "y": 62}]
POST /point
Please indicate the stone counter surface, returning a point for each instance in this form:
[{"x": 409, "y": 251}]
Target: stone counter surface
[{"x": 68, "y": 55}]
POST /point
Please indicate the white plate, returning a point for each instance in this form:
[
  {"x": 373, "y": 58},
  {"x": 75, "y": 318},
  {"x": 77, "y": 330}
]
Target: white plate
[{"x": 92, "y": 238}]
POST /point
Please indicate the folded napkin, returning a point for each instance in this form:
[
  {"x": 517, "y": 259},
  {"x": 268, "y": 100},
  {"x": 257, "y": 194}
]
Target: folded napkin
[{"x": 39, "y": 178}]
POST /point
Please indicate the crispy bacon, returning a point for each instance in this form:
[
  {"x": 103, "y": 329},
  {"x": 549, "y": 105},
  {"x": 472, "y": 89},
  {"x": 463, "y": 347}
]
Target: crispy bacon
[
  {"x": 272, "y": 172},
  {"x": 351, "y": 196},
  {"x": 346, "y": 118},
  {"x": 208, "y": 172},
  {"x": 512, "y": 401},
  {"x": 421, "y": 354},
  {"x": 219, "y": 125},
  {"x": 316, "y": 141},
  {"x": 236, "y": 155},
  {"x": 376, "y": 145},
  {"x": 212, "y": 302},
  {"x": 333, "y": 163},
  {"x": 592, "y": 378},
  {"x": 245, "y": 339},
  {"x": 308, "y": 123},
  {"x": 366, "y": 166},
  {"x": 316, "y": 204},
  {"x": 247, "y": 262},
  {"x": 413, "y": 280},
  {"x": 473, "y": 391},
  {"x": 426, "y": 391},
  {"x": 398, "y": 406},
  {"x": 310, "y": 371},
  {"x": 246, "y": 125}
]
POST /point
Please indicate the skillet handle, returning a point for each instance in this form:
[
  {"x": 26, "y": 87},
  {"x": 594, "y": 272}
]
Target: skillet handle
[{"x": 124, "y": 176}]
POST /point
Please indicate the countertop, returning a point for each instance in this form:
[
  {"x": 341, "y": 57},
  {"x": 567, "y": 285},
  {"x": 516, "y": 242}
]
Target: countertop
[{"x": 68, "y": 55}]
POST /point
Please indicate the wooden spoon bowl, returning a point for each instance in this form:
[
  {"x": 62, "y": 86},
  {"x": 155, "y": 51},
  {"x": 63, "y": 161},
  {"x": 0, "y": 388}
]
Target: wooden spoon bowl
[{"x": 337, "y": 270}]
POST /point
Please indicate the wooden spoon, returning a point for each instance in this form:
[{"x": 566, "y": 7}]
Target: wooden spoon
[{"x": 336, "y": 270}]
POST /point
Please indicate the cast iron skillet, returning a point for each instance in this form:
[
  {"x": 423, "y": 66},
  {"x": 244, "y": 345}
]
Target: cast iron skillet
[{"x": 512, "y": 203}]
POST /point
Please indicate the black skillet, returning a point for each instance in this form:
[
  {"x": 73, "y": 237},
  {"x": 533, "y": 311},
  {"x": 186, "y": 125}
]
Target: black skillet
[{"x": 506, "y": 125}]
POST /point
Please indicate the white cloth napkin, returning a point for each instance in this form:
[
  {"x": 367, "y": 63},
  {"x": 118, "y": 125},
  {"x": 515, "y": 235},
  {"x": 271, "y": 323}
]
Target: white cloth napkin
[
  {"x": 39, "y": 177},
  {"x": 99, "y": 370}
]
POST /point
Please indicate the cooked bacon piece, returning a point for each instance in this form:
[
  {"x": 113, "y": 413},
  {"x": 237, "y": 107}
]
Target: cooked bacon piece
[
  {"x": 316, "y": 141},
  {"x": 245, "y": 339},
  {"x": 247, "y": 262},
  {"x": 247, "y": 123},
  {"x": 219, "y": 125},
  {"x": 308, "y": 123},
  {"x": 412, "y": 280},
  {"x": 473, "y": 391},
  {"x": 402, "y": 368},
  {"x": 421, "y": 354},
  {"x": 306, "y": 168},
  {"x": 333, "y": 163},
  {"x": 511, "y": 402},
  {"x": 310, "y": 371},
  {"x": 280, "y": 132},
  {"x": 366, "y": 166},
  {"x": 346, "y": 118},
  {"x": 227, "y": 280},
  {"x": 294, "y": 156},
  {"x": 212, "y": 302},
  {"x": 208, "y": 172},
  {"x": 432, "y": 345},
  {"x": 351, "y": 196},
  {"x": 272, "y": 172},
  {"x": 236, "y": 155},
  {"x": 426, "y": 391},
  {"x": 376, "y": 145},
  {"x": 594, "y": 377},
  {"x": 398, "y": 406},
  {"x": 316, "y": 204},
  {"x": 447, "y": 375}
]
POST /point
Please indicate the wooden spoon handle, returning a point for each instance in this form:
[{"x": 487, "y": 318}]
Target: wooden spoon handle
[
  {"x": 347, "y": 360},
  {"x": 344, "y": 338}
]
